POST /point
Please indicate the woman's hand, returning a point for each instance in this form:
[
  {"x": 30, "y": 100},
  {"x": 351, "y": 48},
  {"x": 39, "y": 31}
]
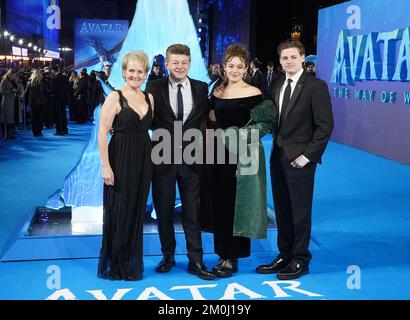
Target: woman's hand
[{"x": 108, "y": 176}]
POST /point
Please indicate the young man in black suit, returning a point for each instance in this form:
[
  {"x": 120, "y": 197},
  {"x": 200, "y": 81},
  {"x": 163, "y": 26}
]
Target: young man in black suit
[
  {"x": 178, "y": 100},
  {"x": 303, "y": 129}
]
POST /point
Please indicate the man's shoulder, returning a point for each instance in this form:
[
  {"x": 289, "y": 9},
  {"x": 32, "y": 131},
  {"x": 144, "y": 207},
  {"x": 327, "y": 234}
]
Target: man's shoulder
[
  {"x": 198, "y": 83},
  {"x": 315, "y": 81},
  {"x": 152, "y": 84}
]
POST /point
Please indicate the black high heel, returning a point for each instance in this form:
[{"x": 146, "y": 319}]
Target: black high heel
[
  {"x": 227, "y": 268},
  {"x": 216, "y": 267}
]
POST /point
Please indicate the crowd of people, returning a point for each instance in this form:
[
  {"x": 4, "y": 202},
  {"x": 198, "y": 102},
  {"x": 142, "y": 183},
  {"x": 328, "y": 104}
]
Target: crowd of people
[
  {"x": 255, "y": 75},
  {"x": 223, "y": 197},
  {"x": 40, "y": 98}
]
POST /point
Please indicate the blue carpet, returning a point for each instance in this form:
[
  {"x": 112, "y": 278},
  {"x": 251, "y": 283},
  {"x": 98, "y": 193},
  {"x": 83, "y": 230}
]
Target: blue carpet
[{"x": 361, "y": 225}]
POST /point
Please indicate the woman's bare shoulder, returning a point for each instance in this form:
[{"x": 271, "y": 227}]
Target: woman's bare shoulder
[
  {"x": 252, "y": 91},
  {"x": 113, "y": 95}
]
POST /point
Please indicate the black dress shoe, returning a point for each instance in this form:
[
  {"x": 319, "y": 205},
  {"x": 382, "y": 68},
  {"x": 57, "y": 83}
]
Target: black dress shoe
[
  {"x": 165, "y": 264},
  {"x": 216, "y": 267},
  {"x": 199, "y": 269},
  {"x": 227, "y": 268},
  {"x": 275, "y": 266},
  {"x": 293, "y": 270}
]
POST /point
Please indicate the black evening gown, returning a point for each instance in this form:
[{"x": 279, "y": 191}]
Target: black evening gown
[
  {"x": 124, "y": 203},
  {"x": 228, "y": 112}
]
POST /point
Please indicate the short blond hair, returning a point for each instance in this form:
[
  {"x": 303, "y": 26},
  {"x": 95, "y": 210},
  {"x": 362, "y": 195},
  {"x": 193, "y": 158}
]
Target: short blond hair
[{"x": 137, "y": 55}]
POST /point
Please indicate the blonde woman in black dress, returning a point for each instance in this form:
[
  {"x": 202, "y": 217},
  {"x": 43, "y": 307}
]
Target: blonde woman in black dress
[{"x": 126, "y": 171}]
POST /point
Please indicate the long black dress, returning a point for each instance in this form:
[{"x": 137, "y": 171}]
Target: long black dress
[
  {"x": 124, "y": 203},
  {"x": 228, "y": 112}
]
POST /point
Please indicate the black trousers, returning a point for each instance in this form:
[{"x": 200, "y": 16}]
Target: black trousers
[
  {"x": 292, "y": 193},
  {"x": 37, "y": 114},
  {"x": 163, "y": 196},
  {"x": 49, "y": 113},
  {"x": 60, "y": 117}
]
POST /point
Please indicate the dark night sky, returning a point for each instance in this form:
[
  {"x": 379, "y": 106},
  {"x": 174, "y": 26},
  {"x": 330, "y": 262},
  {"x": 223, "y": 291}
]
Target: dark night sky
[
  {"x": 273, "y": 20},
  {"x": 271, "y": 23}
]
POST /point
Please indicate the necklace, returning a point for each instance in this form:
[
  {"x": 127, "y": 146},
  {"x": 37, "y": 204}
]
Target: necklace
[{"x": 230, "y": 90}]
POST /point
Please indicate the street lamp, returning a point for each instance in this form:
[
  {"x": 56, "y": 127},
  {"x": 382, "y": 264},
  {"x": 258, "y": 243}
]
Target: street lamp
[
  {"x": 6, "y": 34},
  {"x": 64, "y": 50}
]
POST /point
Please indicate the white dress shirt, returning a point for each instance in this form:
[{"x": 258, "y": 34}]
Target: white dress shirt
[
  {"x": 295, "y": 78},
  {"x": 186, "y": 96}
]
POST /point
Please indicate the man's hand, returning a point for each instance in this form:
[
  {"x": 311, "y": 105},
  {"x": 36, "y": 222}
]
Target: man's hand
[
  {"x": 220, "y": 88},
  {"x": 299, "y": 162}
]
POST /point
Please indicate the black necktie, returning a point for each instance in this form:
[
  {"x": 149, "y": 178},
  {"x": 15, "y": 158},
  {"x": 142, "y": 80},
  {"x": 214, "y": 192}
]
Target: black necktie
[
  {"x": 269, "y": 78},
  {"x": 180, "y": 103},
  {"x": 286, "y": 98}
]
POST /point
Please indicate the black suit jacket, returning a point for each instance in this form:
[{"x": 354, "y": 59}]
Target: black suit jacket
[
  {"x": 164, "y": 116},
  {"x": 61, "y": 87},
  {"x": 308, "y": 123},
  {"x": 265, "y": 84},
  {"x": 257, "y": 80}
]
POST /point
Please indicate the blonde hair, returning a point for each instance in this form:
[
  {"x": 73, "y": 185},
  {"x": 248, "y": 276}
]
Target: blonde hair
[
  {"x": 36, "y": 77},
  {"x": 74, "y": 76},
  {"x": 137, "y": 55}
]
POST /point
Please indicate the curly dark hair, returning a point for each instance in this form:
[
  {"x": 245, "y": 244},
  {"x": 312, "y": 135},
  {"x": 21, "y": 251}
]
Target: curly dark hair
[{"x": 237, "y": 50}]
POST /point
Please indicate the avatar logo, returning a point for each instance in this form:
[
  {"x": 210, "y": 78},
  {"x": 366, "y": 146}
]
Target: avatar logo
[{"x": 372, "y": 56}]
